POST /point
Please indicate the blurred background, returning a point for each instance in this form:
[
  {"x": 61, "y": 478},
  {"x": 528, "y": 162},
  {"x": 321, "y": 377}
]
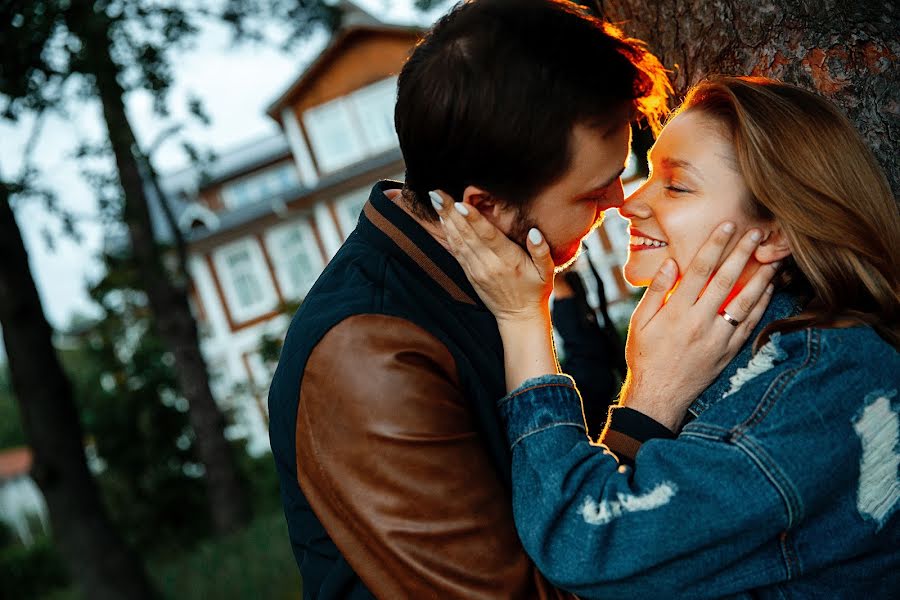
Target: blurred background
[{"x": 173, "y": 178}]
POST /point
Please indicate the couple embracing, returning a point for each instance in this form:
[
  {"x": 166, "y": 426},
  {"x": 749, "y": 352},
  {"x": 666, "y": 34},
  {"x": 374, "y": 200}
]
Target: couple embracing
[{"x": 426, "y": 442}]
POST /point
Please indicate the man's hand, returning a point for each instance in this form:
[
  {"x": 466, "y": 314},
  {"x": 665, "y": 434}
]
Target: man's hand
[{"x": 677, "y": 347}]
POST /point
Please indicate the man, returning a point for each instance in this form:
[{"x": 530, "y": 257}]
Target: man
[{"x": 394, "y": 473}]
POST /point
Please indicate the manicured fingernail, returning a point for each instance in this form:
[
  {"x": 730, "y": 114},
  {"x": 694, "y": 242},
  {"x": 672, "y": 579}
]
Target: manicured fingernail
[
  {"x": 535, "y": 236},
  {"x": 776, "y": 265},
  {"x": 770, "y": 288},
  {"x": 441, "y": 219},
  {"x": 461, "y": 208},
  {"x": 728, "y": 227},
  {"x": 756, "y": 235},
  {"x": 668, "y": 266},
  {"x": 436, "y": 200}
]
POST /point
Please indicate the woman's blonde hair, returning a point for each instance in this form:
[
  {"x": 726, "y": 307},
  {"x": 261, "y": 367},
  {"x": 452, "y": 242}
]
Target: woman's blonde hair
[{"x": 807, "y": 167}]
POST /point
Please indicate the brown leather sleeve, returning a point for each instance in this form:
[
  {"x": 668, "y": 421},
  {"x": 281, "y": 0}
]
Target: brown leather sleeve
[{"x": 389, "y": 459}]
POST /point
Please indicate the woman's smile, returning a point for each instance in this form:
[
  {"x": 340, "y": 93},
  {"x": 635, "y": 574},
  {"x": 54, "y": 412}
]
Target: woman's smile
[{"x": 641, "y": 241}]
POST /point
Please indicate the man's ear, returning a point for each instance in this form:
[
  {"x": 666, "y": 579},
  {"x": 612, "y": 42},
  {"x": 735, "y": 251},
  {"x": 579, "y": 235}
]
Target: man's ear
[
  {"x": 488, "y": 205},
  {"x": 775, "y": 245}
]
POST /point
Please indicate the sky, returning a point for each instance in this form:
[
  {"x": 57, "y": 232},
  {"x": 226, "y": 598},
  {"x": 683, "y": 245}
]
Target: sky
[{"x": 236, "y": 84}]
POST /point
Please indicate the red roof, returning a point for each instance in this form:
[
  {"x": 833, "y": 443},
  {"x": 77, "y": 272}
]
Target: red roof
[{"x": 15, "y": 462}]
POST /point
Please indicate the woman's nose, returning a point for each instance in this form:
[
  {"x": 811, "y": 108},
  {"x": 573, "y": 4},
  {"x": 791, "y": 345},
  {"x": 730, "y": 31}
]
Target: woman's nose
[{"x": 635, "y": 205}]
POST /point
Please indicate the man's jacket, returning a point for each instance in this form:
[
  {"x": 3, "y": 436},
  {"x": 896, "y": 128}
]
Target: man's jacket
[{"x": 395, "y": 474}]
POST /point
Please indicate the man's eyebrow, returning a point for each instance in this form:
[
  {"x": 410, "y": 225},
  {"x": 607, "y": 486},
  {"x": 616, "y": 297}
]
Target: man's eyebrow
[{"x": 606, "y": 183}]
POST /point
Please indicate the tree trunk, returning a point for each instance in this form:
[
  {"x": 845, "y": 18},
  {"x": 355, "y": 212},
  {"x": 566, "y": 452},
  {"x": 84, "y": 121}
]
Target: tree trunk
[
  {"x": 168, "y": 300},
  {"x": 97, "y": 558},
  {"x": 845, "y": 50}
]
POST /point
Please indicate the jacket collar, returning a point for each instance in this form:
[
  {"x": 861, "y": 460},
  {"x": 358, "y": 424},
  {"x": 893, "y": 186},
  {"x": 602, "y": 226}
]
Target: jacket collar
[
  {"x": 388, "y": 226},
  {"x": 782, "y": 306}
]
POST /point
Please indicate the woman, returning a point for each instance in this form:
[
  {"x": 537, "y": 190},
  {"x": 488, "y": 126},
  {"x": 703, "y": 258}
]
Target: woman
[{"x": 780, "y": 479}]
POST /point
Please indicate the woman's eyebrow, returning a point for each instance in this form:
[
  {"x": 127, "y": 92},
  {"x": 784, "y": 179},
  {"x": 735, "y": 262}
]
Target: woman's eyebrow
[{"x": 673, "y": 163}]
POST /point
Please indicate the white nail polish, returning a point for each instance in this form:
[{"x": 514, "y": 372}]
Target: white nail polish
[
  {"x": 436, "y": 200},
  {"x": 437, "y": 206},
  {"x": 461, "y": 208},
  {"x": 535, "y": 236}
]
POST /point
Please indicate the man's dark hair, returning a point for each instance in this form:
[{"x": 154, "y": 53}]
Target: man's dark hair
[{"x": 491, "y": 95}]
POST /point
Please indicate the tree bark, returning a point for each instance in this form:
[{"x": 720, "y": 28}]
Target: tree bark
[
  {"x": 97, "y": 558},
  {"x": 168, "y": 300},
  {"x": 845, "y": 50}
]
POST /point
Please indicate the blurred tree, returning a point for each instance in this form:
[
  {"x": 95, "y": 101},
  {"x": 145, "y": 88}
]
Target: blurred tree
[
  {"x": 846, "y": 51},
  {"x": 96, "y": 556},
  {"x": 58, "y": 50},
  {"x": 132, "y": 411}
]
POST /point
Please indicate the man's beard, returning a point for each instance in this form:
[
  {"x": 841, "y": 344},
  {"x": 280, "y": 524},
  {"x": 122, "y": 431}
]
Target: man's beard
[{"x": 522, "y": 224}]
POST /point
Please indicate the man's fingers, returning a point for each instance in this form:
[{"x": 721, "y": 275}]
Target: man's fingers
[
  {"x": 697, "y": 274},
  {"x": 655, "y": 296},
  {"x": 540, "y": 254},
  {"x": 722, "y": 284}
]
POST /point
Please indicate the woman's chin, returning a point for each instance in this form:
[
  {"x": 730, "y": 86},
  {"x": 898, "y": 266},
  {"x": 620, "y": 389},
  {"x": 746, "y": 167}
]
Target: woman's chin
[{"x": 638, "y": 275}]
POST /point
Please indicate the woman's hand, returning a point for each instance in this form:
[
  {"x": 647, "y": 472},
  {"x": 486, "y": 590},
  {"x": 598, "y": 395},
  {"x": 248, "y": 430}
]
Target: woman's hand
[
  {"x": 677, "y": 346},
  {"x": 515, "y": 285}
]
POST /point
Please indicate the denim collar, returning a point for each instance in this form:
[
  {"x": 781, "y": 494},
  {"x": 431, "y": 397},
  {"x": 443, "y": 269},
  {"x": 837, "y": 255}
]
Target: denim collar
[
  {"x": 392, "y": 229},
  {"x": 782, "y": 306}
]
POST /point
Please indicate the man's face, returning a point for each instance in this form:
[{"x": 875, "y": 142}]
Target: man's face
[{"x": 569, "y": 209}]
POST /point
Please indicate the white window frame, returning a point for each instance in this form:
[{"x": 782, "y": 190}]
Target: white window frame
[
  {"x": 327, "y": 160},
  {"x": 274, "y": 239},
  {"x": 268, "y": 299},
  {"x": 260, "y": 185},
  {"x": 368, "y": 113},
  {"x": 344, "y": 206},
  {"x": 357, "y": 113}
]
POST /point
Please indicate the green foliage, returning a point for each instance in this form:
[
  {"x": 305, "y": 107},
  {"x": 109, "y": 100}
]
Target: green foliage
[
  {"x": 136, "y": 420},
  {"x": 11, "y": 434},
  {"x": 252, "y": 564},
  {"x": 30, "y": 572}
]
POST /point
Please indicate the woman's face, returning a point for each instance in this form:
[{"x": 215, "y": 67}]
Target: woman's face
[{"x": 694, "y": 185}]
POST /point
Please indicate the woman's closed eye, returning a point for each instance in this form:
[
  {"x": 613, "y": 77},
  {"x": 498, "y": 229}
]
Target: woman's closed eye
[{"x": 675, "y": 188}]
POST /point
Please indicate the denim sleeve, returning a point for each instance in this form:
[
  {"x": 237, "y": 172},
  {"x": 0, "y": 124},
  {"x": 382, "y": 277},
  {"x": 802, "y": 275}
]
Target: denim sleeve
[{"x": 695, "y": 517}]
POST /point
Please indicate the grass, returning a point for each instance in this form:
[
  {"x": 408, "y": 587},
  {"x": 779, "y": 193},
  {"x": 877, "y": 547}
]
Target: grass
[{"x": 253, "y": 564}]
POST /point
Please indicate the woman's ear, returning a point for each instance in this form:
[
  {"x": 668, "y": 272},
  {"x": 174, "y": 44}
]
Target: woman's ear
[{"x": 774, "y": 246}]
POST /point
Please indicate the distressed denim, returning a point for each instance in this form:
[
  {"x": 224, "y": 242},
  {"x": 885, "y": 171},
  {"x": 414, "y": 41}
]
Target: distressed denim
[{"x": 784, "y": 483}]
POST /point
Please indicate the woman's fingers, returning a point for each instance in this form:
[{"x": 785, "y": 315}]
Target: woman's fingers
[
  {"x": 721, "y": 286},
  {"x": 656, "y": 294},
  {"x": 697, "y": 274},
  {"x": 540, "y": 255},
  {"x": 473, "y": 228},
  {"x": 752, "y": 299},
  {"x": 750, "y": 321}
]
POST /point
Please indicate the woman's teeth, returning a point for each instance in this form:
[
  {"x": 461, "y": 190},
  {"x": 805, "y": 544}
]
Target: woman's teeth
[{"x": 637, "y": 240}]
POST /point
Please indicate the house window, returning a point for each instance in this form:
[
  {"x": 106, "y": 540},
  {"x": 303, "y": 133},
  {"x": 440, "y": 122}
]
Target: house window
[
  {"x": 243, "y": 279},
  {"x": 334, "y": 135},
  {"x": 269, "y": 184},
  {"x": 349, "y": 129},
  {"x": 374, "y": 105},
  {"x": 298, "y": 260},
  {"x": 242, "y": 271},
  {"x": 349, "y": 207}
]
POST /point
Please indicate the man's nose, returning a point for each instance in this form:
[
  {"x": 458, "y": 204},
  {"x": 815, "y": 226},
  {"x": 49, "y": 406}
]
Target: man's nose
[{"x": 614, "y": 198}]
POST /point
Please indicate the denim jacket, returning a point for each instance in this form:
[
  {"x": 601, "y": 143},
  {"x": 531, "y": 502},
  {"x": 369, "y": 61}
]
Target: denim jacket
[{"x": 783, "y": 485}]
